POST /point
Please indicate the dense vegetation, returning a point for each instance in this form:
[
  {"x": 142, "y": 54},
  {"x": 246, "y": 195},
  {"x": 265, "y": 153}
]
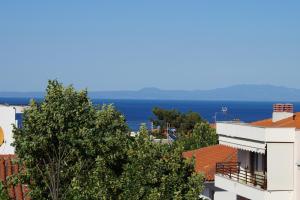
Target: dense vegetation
[
  {"x": 3, "y": 192},
  {"x": 191, "y": 130},
  {"x": 183, "y": 122},
  {"x": 73, "y": 150}
]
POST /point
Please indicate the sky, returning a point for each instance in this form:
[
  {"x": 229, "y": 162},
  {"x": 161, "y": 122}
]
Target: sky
[{"x": 129, "y": 45}]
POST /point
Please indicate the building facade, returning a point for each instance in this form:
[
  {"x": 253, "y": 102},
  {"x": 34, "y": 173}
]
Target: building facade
[{"x": 268, "y": 161}]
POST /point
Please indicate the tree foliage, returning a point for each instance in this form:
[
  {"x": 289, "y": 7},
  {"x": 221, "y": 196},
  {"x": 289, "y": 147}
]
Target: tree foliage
[
  {"x": 183, "y": 122},
  {"x": 191, "y": 130},
  {"x": 201, "y": 136},
  {"x": 158, "y": 171},
  {"x": 151, "y": 171},
  {"x": 3, "y": 192},
  {"x": 59, "y": 139},
  {"x": 72, "y": 150}
]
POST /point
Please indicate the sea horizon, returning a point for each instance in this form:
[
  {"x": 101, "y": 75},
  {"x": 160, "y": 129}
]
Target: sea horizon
[{"x": 138, "y": 111}]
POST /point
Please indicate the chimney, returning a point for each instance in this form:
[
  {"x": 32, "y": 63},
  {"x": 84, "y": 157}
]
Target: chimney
[{"x": 282, "y": 111}]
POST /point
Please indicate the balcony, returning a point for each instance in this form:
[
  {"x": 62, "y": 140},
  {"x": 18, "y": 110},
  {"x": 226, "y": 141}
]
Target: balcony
[{"x": 233, "y": 171}]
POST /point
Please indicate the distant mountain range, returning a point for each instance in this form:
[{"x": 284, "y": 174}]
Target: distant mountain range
[{"x": 233, "y": 93}]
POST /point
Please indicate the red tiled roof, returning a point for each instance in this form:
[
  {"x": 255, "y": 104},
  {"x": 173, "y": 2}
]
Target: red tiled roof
[
  {"x": 207, "y": 157},
  {"x": 7, "y": 168},
  {"x": 213, "y": 125},
  {"x": 293, "y": 122}
]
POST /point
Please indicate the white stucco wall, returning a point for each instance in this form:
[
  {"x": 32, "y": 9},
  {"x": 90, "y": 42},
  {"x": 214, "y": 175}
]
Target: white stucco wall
[
  {"x": 245, "y": 132},
  {"x": 297, "y": 165},
  {"x": 279, "y": 195},
  {"x": 280, "y": 134},
  {"x": 241, "y": 130},
  {"x": 280, "y": 167},
  {"x": 225, "y": 195},
  {"x": 7, "y": 118},
  {"x": 250, "y": 192},
  {"x": 277, "y": 116},
  {"x": 235, "y": 187}
]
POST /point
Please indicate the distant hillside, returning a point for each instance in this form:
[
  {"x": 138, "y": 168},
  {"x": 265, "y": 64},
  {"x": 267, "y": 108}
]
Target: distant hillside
[{"x": 234, "y": 93}]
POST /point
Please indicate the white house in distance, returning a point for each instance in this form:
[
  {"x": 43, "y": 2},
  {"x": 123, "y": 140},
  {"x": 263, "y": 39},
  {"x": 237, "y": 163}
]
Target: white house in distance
[
  {"x": 9, "y": 116},
  {"x": 268, "y": 164}
]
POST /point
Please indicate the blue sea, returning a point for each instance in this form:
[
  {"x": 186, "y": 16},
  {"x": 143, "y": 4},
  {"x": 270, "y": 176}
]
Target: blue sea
[{"x": 140, "y": 111}]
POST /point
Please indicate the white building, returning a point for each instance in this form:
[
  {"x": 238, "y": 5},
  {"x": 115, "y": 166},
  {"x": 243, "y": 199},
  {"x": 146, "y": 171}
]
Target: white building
[
  {"x": 9, "y": 116},
  {"x": 268, "y": 166}
]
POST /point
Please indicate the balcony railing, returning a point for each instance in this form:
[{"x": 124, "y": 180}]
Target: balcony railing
[{"x": 233, "y": 171}]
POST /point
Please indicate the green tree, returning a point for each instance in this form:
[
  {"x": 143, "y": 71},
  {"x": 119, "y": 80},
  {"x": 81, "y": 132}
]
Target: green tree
[
  {"x": 188, "y": 121},
  {"x": 59, "y": 140},
  {"x": 183, "y": 122},
  {"x": 158, "y": 171},
  {"x": 50, "y": 141},
  {"x": 201, "y": 136},
  {"x": 3, "y": 192},
  {"x": 191, "y": 130},
  {"x": 151, "y": 171},
  {"x": 164, "y": 117},
  {"x": 109, "y": 142},
  {"x": 73, "y": 150}
]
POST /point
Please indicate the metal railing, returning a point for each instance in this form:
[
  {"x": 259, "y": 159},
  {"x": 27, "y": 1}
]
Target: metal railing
[{"x": 234, "y": 171}]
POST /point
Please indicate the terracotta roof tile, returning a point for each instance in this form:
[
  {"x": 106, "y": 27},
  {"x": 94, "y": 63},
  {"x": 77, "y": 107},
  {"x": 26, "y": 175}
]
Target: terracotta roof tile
[
  {"x": 7, "y": 168},
  {"x": 207, "y": 157},
  {"x": 213, "y": 125},
  {"x": 292, "y": 122},
  {"x": 263, "y": 123},
  {"x": 18, "y": 187}
]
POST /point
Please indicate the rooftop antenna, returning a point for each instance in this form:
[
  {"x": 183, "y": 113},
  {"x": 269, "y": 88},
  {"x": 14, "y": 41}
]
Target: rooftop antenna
[{"x": 224, "y": 110}]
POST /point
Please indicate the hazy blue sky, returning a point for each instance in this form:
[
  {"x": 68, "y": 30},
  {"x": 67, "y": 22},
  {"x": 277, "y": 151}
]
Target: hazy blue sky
[{"x": 111, "y": 45}]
